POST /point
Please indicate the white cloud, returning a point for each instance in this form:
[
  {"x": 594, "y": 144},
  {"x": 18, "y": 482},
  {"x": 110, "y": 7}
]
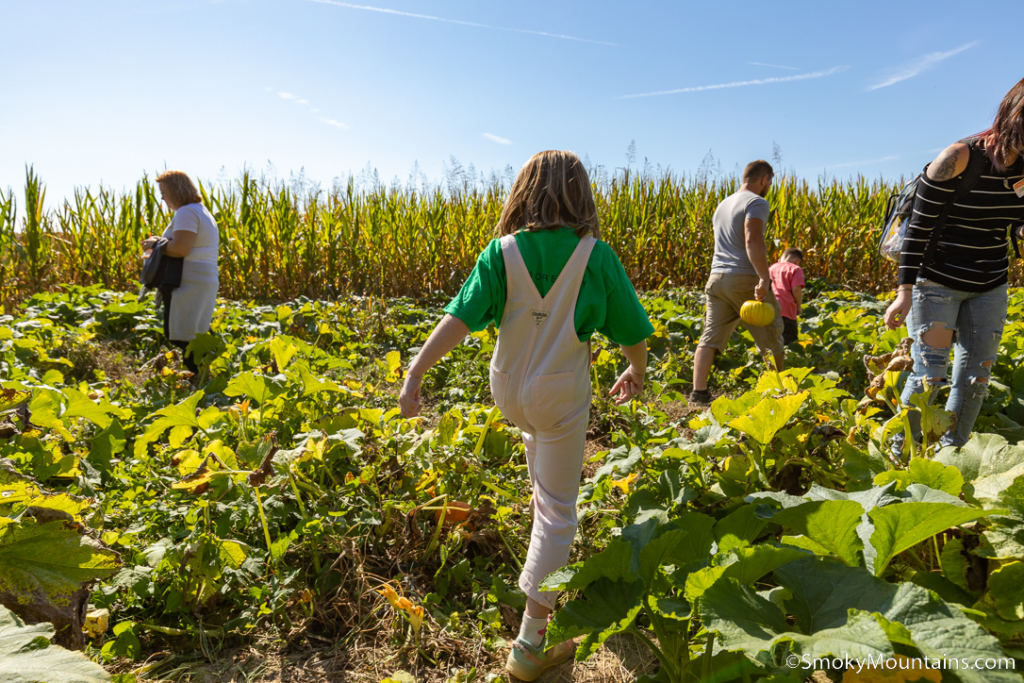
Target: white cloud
[
  {"x": 333, "y": 122},
  {"x": 919, "y": 65},
  {"x": 740, "y": 84},
  {"x": 852, "y": 164},
  {"x": 774, "y": 66},
  {"x": 315, "y": 110},
  {"x": 302, "y": 101},
  {"x": 269, "y": 89},
  {"x": 384, "y": 10},
  {"x": 286, "y": 95},
  {"x": 495, "y": 138}
]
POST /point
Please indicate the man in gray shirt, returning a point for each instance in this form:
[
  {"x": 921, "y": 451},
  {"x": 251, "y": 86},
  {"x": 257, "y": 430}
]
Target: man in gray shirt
[{"x": 739, "y": 271}]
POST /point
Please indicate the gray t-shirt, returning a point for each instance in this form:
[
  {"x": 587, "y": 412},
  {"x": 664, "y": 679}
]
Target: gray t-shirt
[{"x": 730, "y": 237}]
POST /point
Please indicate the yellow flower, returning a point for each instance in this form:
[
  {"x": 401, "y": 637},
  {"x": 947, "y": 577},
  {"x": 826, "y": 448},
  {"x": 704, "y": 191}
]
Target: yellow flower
[
  {"x": 416, "y": 618},
  {"x": 625, "y": 482},
  {"x": 391, "y": 595}
]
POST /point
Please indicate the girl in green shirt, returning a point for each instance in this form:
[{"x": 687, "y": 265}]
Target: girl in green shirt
[{"x": 548, "y": 283}]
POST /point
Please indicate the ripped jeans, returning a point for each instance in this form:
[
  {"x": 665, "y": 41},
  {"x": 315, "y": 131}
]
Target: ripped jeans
[{"x": 977, "y": 320}]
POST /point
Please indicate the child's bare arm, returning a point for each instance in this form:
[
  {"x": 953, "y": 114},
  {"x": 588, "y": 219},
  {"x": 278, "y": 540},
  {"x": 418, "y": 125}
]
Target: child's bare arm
[
  {"x": 631, "y": 382},
  {"x": 798, "y": 297},
  {"x": 448, "y": 334}
]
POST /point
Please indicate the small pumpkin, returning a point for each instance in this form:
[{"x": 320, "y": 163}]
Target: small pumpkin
[
  {"x": 457, "y": 512},
  {"x": 757, "y": 313}
]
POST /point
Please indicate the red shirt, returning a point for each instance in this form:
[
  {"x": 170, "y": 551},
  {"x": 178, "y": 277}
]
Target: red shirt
[{"x": 785, "y": 276}]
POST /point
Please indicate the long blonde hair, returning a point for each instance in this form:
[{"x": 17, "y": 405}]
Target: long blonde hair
[
  {"x": 552, "y": 190},
  {"x": 180, "y": 188}
]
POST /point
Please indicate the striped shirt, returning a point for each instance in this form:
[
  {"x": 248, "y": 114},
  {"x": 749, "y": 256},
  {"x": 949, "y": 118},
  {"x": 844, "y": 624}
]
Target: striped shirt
[{"x": 971, "y": 254}]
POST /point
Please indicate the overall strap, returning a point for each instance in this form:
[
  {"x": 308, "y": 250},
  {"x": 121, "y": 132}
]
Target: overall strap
[
  {"x": 518, "y": 281},
  {"x": 570, "y": 279}
]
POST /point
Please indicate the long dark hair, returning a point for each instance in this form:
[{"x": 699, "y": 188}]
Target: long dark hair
[{"x": 1006, "y": 135}]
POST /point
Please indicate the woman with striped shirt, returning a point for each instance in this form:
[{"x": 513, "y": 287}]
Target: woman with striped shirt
[{"x": 958, "y": 298}]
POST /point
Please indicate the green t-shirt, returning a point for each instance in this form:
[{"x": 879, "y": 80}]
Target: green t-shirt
[{"x": 607, "y": 302}]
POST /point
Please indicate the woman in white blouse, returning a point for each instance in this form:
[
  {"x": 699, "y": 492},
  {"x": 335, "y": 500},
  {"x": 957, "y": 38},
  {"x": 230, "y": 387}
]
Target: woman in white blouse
[{"x": 193, "y": 235}]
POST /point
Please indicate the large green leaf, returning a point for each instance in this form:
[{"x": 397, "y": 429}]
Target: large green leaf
[
  {"x": 12, "y": 398},
  {"x": 1005, "y": 539},
  {"x": 832, "y": 524},
  {"x": 725, "y": 409},
  {"x": 989, "y": 489},
  {"x": 312, "y": 384},
  {"x": 765, "y": 419},
  {"x": 859, "y": 638},
  {"x": 26, "y": 656},
  {"x": 899, "y": 527},
  {"x": 609, "y": 608},
  {"x": 928, "y": 472},
  {"x": 282, "y": 351},
  {"x": 940, "y": 630},
  {"x": 983, "y": 455},
  {"x": 51, "y": 559},
  {"x": 746, "y": 565},
  {"x": 80, "y": 405},
  {"x": 740, "y": 527},
  {"x": 180, "y": 415},
  {"x": 953, "y": 563},
  {"x": 1006, "y": 591},
  {"x": 823, "y": 591},
  {"x": 260, "y": 388},
  {"x": 936, "y": 475},
  {"x": 615, "y": 562},
  {"x": 742, "y": 618}
]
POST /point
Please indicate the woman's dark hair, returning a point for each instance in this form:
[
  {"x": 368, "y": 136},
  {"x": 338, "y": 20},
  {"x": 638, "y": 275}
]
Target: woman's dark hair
[{"x": 1006, "y": 135}]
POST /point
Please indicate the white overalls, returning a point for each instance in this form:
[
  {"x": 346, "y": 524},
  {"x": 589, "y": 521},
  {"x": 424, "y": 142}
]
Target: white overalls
[{"x": 540, "y": 379}]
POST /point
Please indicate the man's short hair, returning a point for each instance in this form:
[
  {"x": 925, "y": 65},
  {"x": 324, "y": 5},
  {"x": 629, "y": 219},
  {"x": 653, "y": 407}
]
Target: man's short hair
[
  {"x": 756, "y": 170},
  {"x": 793, "y": 251}
]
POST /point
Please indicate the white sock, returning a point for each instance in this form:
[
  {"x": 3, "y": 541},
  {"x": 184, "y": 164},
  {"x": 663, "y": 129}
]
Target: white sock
[{"x": 532, "y": 629}]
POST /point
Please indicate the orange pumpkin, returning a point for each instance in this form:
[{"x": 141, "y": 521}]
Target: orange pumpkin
[
  {"x": 757, "y": 313},
  {"x": 457, "y": 512}
]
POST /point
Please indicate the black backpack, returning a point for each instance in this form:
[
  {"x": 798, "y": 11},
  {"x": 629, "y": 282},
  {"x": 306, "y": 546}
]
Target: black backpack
[{"x": 160, "y": 271}]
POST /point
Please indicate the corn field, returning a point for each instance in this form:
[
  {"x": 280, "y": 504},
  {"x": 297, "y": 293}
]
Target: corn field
[{"x": 277, "y": 242}]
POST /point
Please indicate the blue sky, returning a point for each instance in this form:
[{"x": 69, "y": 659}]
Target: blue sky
[{"x": 103, "y": 91}]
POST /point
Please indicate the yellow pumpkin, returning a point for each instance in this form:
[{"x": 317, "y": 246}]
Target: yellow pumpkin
[{"x": 757, "y": 313}]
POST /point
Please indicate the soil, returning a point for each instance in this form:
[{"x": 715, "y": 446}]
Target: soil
[{"x": 620, "y": 660}]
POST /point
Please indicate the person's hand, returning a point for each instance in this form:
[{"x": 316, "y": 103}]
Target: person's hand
[
  {"x": 896, "y": 314},
  {"x": 149, "y": 242},
  {"x": 629, "y": 384},
  {"x": 409, "y": 400},
  {"x": 761, "y": 290}
]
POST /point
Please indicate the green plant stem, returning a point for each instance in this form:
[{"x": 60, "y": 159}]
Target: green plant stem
[
  {"x": 705, "y": 669},
  {"x": 263, "y": 519},
  {"x": 512, "y": 554},
  {"x": 167, "y": 630},
  {"x": 673, "y": 674},
  {"x": 483, "y": 433}
]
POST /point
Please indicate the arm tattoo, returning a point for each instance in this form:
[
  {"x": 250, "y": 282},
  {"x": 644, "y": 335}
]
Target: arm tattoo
[{"x": 945, "y": 164}]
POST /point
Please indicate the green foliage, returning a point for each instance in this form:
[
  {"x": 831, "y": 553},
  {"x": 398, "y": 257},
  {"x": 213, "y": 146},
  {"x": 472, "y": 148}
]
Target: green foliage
[
  {"x": 286, "y": 488},
  {"x": 26, "y": 656}
]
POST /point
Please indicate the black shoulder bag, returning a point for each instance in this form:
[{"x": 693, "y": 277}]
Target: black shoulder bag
[{"x": 160, "y": 271}]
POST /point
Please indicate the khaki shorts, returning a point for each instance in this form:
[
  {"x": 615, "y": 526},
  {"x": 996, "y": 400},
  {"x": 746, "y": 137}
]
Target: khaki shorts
[{"x": 726, "y": 293}]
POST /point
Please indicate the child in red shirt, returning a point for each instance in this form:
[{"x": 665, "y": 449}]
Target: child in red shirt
[{"x": 788, "y": 286}]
